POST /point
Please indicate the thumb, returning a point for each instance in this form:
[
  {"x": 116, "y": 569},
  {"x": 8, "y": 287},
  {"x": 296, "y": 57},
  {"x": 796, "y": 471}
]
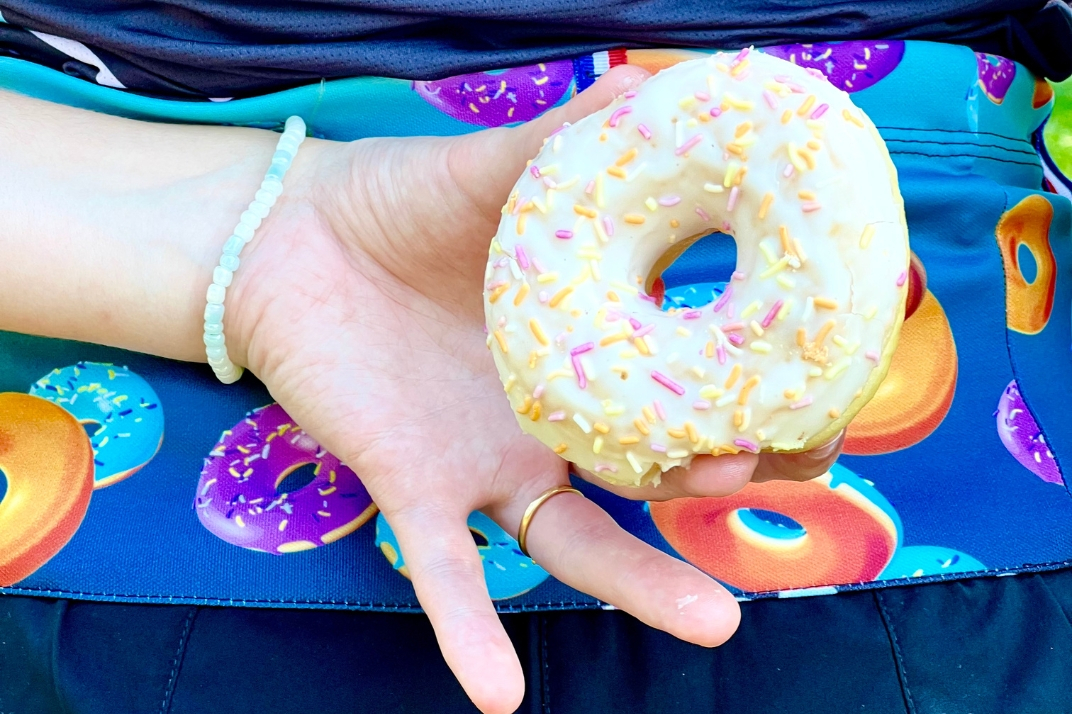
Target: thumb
[{"x": 490, "y": 162}]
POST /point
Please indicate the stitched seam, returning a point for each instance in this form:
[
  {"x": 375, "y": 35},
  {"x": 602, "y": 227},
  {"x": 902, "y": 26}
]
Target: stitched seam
[
  {"x": 1033, "y": 164},
  {"x": 545, "y": 668},
  {"x": 952, "y": 131},
  {"x": 966, "y": 145},
  {"x": 176, "y": 663},
  {"x": 902, "y": 675}
]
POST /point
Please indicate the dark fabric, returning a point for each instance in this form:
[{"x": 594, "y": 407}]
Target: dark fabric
[
  {"x": 999, "y": 645},
  {"x": 199, "y": 48}
]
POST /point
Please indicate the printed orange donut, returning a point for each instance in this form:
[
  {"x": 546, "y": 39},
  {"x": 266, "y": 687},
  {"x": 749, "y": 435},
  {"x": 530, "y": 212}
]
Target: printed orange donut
[
  {"x": 46, "y": 457},
  {"x": 849, "y": 533},
  {"x": 1028, "y": 305},
  {"x": 918, "y": 390}
]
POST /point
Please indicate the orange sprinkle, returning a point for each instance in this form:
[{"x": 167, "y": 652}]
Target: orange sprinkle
[
  {"x": 634, "y": 218},
  {"x": 765, "y": 205},
  {"x": 808, "y": 157},
  {"x": 802, "y": 336},
  {"x": 521, "y": 293},
  {"x": 833, "y": 413},
  {"x": 525, "y": 405},
  {"x": 826, "y": 303},
  {"x": 790, "y": 394},
  {"x": 535, "y": 415},
  {"x": 561, "y": 449},
  {"x": 560, "y": 296},
  {"x": 824, "y": 331},
  {"x": 616, "y": 172},
  {"x": 704, "y": 118},
  {"x": 584, "y": 211},
  {"x": 532, "y": 359},
  {"x": 521, "y": 223},
  {"x": 709, "y": 349},
  {"x": 742, "y": 129},
  {"x": 629, "y": 440},
  {"x": 497, "y": 293},
  {"x": 626, "y": 157},
  {"x": 602, "y": 137},
  {"x": 642, "y": 346},
  {"x": 694, "y": 437},
  {"x": 739, "y": 176},
  {"x": 734, "y": 149},
  {"x": 611, "y": 339},
  {"x": 814, "y": 145},
  {"x": 746, "y": 389},
  {"x": 537, "y": 332},
  {"x": 613, "y": 296},
  {"x": 641, "y": 426},
  {"x": 501, "y": 339},
  {"x": 806, "y": 195},
  {"x": 849, "y": 116},
  {"x": 738, "y": 418},
  {"x": 786, "y": 116},
  {"x": 734, "y": 374},
  {"x": 806, "y": 106},
  {"x": 783, "y": 234},
  {"x": 601, "y": 427},
  {"x": 674, "y": 223},
  {"x": 676, "y": 433}
]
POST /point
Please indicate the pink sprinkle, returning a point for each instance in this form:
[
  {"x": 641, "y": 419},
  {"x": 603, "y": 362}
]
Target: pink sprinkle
[
  {"x": 645, "y": 330},
  {"x": 495, "y": 284},
  {"x": 582, "y": 380},
  {"x": 716, "y": 112},
  {"x": 502, "y": 262},
  {"x": 684, "y": 148},
  {"x": 517, "y": 206},
  {"x": 648, "y": 298},
  {"x": 548, "y": 182},
  {"x": 612, "y": 317},
  {"x": 659, "y": 411},
  {"x": 535, "y": 171},
  {"x": 522, "y": 259},
  {"x": 819, "y": 111},
  {"x": 667, "y": 382},
  {"x": 737, "y": 275},
  {"x": 771, "y": 315},
  {"x": 802, "y": 403},
  {"x": 581, "y": 349},
  {"x": 556, "y": 416},
  {"x": 538, "y": 265},
  {"x": 810, "y": 206},
  {"x": 732, "y": 203},
  {"x": 590, "y": 187},
  {"x": 745, "y": 444},
  {"x": 702, "y": 214},
  {"x": 781, "y": 78},
  {"x": 743, "y": 75},
  {"x": 538, "y": 392},
  {"x": 608, "y": 226},
  {"x": 669, "y": 200},
  {"x": 730, "y": 310},
  {"x": 544, "y": 296},
  {"x": 735, "y": 339},
  {"x": 741, "y": 55},
  {"x": 617, "y": 115},
  {"x": 701, "y": 404},
  {"x": 794, "y": 87},
  {"x": 721, "y": 352},
  {"x": 486, "y": 330},
  {"x": 871, "y": 355},
  {"x": 605, "y": 467},
  {"x": 724, "y": 298},
  {"x": 772, "y": 101},
  {"x": 902, "y": 278},
  {"x": 558, "y": 130},
  {"x": 658, "y": 447},
  {"x": 630, "y": 94},
  {"x": 732, "y": 327},
  {"x": 644, "y": 131},
  {"x": 635, "y": 323},
  {"x": 691, "y": 315},
  {"x": 702, "y": 96},
  {"x": 563, "y": 234},
  {"x": 788, "y": 170},
  {"x": 814, "y": 72}
]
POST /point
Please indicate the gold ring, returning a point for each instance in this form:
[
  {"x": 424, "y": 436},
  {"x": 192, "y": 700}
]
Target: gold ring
[{"x": 526, "y": 520}]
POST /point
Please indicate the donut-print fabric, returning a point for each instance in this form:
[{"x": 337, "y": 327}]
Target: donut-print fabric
[{"x": 956, "y": 469}]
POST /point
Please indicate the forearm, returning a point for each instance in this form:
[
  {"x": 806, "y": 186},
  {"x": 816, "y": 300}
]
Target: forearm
[{"x": 110, "y": 228}]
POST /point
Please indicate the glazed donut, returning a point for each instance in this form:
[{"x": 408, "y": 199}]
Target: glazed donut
[
  {"x": 46, "y": 457},
  {"x": 849, "y": 533},
  {"x": 507, "y": 571},
  {"x": 1023, "y": 439},
  {"x": 126, "y": 410},
  {"x": 238, "y": 498},
  {"x": 498, "y": 98},
  {"x": 1028, "y": 305},
  {"x": 752, "y": 146}
]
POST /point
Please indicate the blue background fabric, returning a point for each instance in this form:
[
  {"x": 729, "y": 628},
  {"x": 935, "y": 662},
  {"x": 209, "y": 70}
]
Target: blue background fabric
[{"x": 961, "y": 504}]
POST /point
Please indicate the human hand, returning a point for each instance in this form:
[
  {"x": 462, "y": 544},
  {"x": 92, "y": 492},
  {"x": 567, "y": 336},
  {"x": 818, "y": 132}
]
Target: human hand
[{"x": 359, "y": 304}]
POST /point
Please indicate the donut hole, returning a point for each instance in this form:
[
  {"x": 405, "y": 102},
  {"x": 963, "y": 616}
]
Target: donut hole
[
  {"x": 479, "y": 538},
  {"x": 693, "y": 272},
  {"x": 295, "y": 478},
  {"x": 770, "y": 524},
  {"x": 91, "y": 427},
  {"x": 1026, "y": 262}
]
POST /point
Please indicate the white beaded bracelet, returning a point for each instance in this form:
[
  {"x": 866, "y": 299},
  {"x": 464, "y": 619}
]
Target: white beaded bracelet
[{"x": 271, "y": 188}]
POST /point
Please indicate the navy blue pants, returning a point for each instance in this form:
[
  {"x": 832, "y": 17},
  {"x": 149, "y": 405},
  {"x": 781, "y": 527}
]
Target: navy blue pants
[{"x": 990, "y": 645}]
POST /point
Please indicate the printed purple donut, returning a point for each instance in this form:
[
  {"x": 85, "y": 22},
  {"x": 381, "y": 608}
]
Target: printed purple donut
[
  {"x": 1022, "y": 436},
  {"x": 850, "y": 66},
  {"x": 498, "y": 98},
  {"x": 237, "y": 497},
  {"x": 995, "y": 75}
]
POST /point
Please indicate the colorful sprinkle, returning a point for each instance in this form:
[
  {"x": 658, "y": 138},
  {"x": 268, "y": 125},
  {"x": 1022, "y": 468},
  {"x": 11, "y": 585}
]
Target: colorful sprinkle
[
  {"x": 684, "y": 148},
  {"x": 564, "y": 234},
  {"x": 644, "y": 131},
  {"x": 667, "y": 382},
  {"x": 617, "y": 115}
]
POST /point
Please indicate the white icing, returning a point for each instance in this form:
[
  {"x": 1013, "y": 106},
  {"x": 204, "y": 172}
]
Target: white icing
[{"x": 848, "y": 252}]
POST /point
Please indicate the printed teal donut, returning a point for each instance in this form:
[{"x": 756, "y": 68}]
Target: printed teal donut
[
  {"x": 507, "y": 571},
  {"x": 916, "y": 561},
  {"x": 121, "y": 405}
]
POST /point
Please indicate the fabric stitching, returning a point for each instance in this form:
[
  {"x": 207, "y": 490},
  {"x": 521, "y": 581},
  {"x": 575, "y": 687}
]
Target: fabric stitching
[
  {"x": 898, "y": 658},
  {"x": 176, "y": 663},
  {"x": 1031, "y": 153},
  {"x": 952, "y": 131},
  {"x": 1033, "y": 164}
]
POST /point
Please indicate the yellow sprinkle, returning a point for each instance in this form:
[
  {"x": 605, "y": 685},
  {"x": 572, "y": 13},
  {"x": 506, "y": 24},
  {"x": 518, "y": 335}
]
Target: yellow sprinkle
[
  {"x": 651, "y": 204},
  {"x": 585, "y": 211},
  {"x": 742, "y": 128},
  {"x": 510, "y": 382},
  {"x": 849, "y": 116},
  {"x": 687, "y": 102},
  {"x": 691, "y": 431},
  {"x": 676, "y": 433},
  {"x": 765, "y": 205},
  {"x": 597, "y": 445},
  {"x": 642, "y": 346},
  {"x": 704, "y": 118},
  {"x": 585, "y": 274},
  {"x": 532, "y": 359},
  {"x": 871, "y": 311},
  {"x": 738, "y": 418},
  {"x": 756, "y": 328},
  {"x": 626, "y": 157},
  {"x": 599, "y": 190},
  {"x": 760, "y": 346},
  {"x": 611, "y": 339},
  {"x": 786, "y": 116},
  {"x": 502, "y": 342},
  {"x": 641, "y": 426},
  {"x": 736, "y": 103},
  {"x": 752, "y": 308},
  {"x": 537, "y": 332},
  {"x": 721, "y": 67},
  {"x": 698, "y": 371},
  {"x": 535, "y": 415},
  {"x": 561, "y": 449},
  {"x": 601, "y": 427},
  {"x": 612, "y": 409},
  {"x": 777, "y": 267},
  {"x": 731, "y": 171},
  {"x": 539, "y": 204},
  {"x": 790, "y": 394},
  {"x": 603, "y": 136},
  {"x": 826, "y": 303},
  {"x": 547, "y": 277},
  {"x": 833, "y": 413},
  {"x": 613, "y": 296},
  {"x": 806, "y": 106},
  {"x": 626, "y": 440},
  {"x": 558, "y": 374},
  {"x": 814, "y": 145},
  {"x": 838, "y": 367},
  {"x": 710, "y": 391},
  {"x": 525, "y": 406},
  {"x": 497, "y": 293},
  {"x": 648, "y": 414},
  {"x": 713, "y": 188},
  {"x": 560, "y": 296},
  {"x": 709, "y": 349},
  {"x": 808, "y": 157},
  {"x": 867, "y": 235},
  {"x": 806, "y": 195},
  {"x": 633, "y": 218},
  {"x": 739, "y": 68},
  {"x": 768, "y": 253},
  {"x": 616, "y": 172},
  {"x": 521, "y": 293},
  {"x": 786, "y": 307},
  {"x": 732, "y": 379},
  {"x": 677, "y": 453},
  {"x": 794, "y": 157},
  {"x": 674, "y": 223},
  {"x": 683, "y": 332}
]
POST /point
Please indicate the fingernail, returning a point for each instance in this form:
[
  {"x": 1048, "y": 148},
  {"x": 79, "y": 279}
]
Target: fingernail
[{"x": 829, "y": 448}]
